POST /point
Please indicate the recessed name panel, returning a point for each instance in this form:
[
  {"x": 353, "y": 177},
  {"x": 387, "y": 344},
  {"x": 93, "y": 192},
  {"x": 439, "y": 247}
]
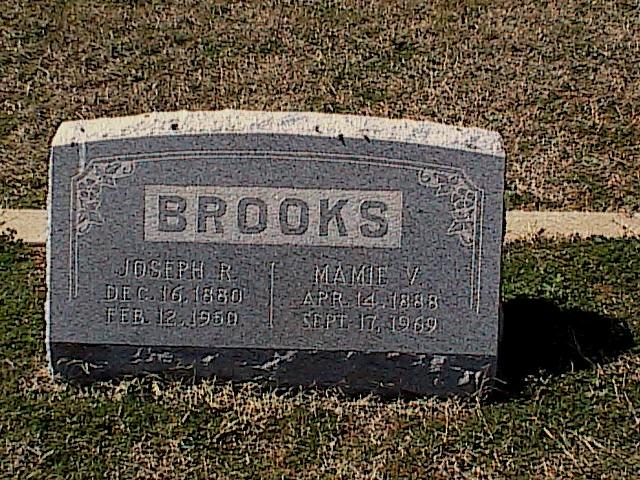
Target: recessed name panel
[{"x": 273, "y": 216}]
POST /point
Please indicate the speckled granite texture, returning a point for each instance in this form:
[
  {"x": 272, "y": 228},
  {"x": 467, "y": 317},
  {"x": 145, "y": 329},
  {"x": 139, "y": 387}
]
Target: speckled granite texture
[{"x": 298, "y": 249}]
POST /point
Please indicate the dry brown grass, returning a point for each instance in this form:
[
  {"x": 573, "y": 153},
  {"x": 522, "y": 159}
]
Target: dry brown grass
[
  {"x": 559, "y": 80},
  {"x": 219, "y": 431}
]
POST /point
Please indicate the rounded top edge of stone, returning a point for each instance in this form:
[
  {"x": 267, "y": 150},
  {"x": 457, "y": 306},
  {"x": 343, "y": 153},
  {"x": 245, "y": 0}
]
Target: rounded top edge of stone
[{"x": 290, "y": 123}]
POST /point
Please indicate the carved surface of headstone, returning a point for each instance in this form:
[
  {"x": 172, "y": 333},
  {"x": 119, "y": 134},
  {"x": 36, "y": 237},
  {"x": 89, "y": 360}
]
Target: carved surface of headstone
[{"x": 297, "y": 248}]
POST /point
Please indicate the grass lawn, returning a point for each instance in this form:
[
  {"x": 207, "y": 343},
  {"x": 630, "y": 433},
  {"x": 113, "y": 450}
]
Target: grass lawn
[
  {"x": 559, "y": 80},
  {"x": 571, "y": 408}
]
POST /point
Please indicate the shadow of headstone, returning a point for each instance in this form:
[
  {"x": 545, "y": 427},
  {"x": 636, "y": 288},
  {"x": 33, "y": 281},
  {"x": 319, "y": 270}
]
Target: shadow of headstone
[{"x": 538, "y": 336}]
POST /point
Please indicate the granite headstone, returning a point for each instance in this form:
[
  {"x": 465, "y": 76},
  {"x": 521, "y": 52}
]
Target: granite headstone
[{"x": 293, "y": 248}]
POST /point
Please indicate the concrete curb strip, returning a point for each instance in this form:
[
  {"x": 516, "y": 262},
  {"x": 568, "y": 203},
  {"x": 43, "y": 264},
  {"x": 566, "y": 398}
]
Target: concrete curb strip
[{"x": 31, "y": 225}]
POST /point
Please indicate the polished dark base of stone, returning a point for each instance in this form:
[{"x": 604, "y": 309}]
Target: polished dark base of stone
[{"x": 354, "y": 372}]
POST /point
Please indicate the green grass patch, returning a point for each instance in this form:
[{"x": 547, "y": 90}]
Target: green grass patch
[{"x": 572, "y": 326}]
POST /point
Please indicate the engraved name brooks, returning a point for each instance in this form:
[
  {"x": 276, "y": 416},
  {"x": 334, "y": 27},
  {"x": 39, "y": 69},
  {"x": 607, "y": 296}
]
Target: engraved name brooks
[{"x": 260, "y": 215}]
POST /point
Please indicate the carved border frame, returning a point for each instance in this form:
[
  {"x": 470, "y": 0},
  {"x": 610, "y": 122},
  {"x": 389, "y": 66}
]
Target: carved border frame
[{"x": 94, "y": 177}]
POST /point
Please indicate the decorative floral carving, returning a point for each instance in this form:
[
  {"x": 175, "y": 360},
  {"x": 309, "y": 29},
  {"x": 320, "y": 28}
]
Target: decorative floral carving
[
  {"x": 93, "y": 180},
  {"x": 462, "y": 197}
]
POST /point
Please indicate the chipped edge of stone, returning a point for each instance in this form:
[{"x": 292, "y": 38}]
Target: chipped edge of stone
[{"x": 290, "y": 123}]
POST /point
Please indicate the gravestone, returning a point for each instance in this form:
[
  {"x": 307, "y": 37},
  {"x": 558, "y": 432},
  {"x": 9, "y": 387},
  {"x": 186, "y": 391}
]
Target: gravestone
[{"x": 292, "y": 248}]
